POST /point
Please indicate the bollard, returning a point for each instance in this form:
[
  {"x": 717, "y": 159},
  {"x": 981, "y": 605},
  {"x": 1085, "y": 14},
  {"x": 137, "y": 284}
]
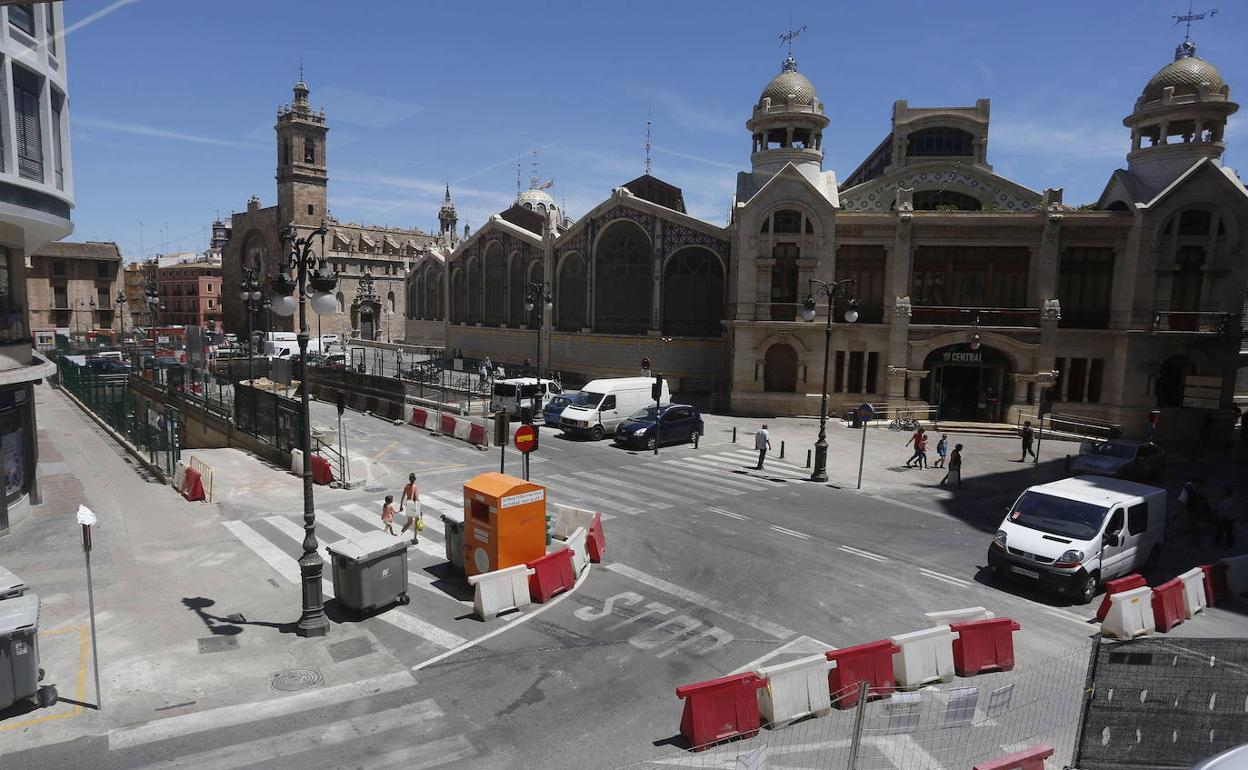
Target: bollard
[
  {"x": 695, "y": 440},
  {"x": 781, "y": 450},
  {"x": 807, "y": 458},
  {"x": 734, "y": 434}
]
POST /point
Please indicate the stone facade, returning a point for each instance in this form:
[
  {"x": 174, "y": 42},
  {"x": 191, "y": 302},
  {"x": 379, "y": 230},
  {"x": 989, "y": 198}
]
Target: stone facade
[
  {"x": 371, "y": 260},
  {"x": 974, "y": 294},
  {"x": 72, "y": 288}
]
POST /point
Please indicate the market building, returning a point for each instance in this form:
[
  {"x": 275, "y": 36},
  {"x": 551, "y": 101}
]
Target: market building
[{"x": 975, "y": 294}]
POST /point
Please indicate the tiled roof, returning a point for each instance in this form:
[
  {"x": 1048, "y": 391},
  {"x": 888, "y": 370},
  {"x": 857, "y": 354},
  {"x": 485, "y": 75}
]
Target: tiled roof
[{"x": 101, "y": 250}]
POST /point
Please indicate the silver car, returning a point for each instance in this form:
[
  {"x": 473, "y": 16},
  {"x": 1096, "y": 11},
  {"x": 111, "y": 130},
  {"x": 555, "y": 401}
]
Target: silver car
[{"x": 1121, "y": 459}]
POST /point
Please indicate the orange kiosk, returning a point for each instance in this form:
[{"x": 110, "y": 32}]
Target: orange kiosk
[{"x": 504, "y": 522}]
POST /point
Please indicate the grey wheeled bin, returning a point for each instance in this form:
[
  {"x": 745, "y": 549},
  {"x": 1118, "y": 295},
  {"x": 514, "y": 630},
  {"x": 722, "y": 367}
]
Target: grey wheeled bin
[
  {"x": 370, "y": 570},
  {"x": 19, "y": 653},
  {"x": 10, "y": 585},
  {"x": 454, "y": 526}
]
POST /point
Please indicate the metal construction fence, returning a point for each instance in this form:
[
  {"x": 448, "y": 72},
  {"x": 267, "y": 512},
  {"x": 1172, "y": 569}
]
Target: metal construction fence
[
  {"x": 153, "y": 428},
  {"x": 953, "y": 725}
]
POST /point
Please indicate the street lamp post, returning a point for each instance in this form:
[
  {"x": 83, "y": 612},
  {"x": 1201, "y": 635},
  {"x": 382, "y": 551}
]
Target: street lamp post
[
  {"x": 300, "y": 259},
  {"x": 538, "y": 297},
  {"x": 121, "y": 316},
  {"x": 252, "y": 297},
  {"x": 832, "y": 291}
]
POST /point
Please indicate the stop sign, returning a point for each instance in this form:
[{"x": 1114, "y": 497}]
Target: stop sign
[{"x": 525, "y": 438}]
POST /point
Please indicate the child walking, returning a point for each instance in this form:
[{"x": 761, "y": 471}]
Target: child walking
[
  {"x": 942, "y": 449},
  {"x": 387, "y": 515},
  {"x": 411, "y": 493}
]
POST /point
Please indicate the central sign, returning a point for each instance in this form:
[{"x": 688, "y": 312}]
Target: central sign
[
  {"x": 525, "y": 438},
  {"x": 964, "y": 357}
]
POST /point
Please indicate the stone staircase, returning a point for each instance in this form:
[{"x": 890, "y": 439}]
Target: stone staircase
[{"x": 997, "y": 430}]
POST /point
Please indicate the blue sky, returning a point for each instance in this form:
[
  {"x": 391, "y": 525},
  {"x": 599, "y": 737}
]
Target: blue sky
[{"x": 173, "y": 102}]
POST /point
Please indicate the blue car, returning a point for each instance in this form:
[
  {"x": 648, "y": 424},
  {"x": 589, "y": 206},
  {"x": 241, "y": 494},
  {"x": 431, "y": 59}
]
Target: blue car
[
  {"x": 671, "y": 424},
  {"x": 554, "y": 407}
]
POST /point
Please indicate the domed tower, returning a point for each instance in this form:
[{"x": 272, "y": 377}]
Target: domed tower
[
  {"x": 447, "y": 218},
  {"x": 1178, "y": 119},
  {"x": 537, "y": 199},
  {"x": 787, "y": 124}
]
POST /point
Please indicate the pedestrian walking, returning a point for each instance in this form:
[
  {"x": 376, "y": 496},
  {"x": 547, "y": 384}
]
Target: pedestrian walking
[
  {"x": 762, "y": 442},
  {"x": 1028, "y": 435},
  {"x": 942, "y": 450},
  {"x": 387, "y": 515},
  {"x": 411, "y": 493},
  {"x": 1224, "y": 521},
  {"x": 916, "y": 439},
  {"x": 1194, "y": 508},
  {"x": 920, "y": 446},
  {"x": 955, "y": 467}
]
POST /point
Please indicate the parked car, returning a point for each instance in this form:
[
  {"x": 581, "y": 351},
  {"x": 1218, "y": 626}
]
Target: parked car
[
  {"x": 1073, "y": 534},
  {"x": 1122, "y": 459},
  {"x": 554, "y": 407},
  {"x": 671, "y": 424},
  {"x": 512, "y": 395},
  {"x": 108, "y": 366},
  {"x": 607, "y": 403}
]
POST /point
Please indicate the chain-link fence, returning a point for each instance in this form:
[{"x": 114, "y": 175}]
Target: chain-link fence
[{"x": 954, "y": 725}]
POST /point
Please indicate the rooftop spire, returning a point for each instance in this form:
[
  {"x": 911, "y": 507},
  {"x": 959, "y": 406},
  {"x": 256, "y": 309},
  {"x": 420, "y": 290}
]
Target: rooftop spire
[
  {"x": 648, "y": 141},
  {"x": 1186, "y": 20}
]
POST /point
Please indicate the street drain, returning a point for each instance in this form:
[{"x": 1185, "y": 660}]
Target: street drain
[
  {"x": 217, "y": 644},
  {"x": 295, "y": 679}
]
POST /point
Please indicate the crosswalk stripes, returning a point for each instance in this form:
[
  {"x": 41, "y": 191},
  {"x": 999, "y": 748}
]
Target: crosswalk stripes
[
  {"x": 745, "y": 483},
  {"x": 704, "y": 485},
  {"x": 597, "y": 493}
]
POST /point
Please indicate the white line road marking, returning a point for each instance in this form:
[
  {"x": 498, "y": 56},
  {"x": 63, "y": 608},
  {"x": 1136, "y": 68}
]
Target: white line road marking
[
  {"x": 903, "y": 751},
  {"x": 395, "y": 616},
  {"x": 791, "y": 532},
  {"x": 801, "y": 645},
  {"x": 919, "y": 509},
  {"x": 945, "y": 578},
  {"x": 1068, "y": 616},
  {"x": 229, "y": 716},
  {"x": 702, "y": 485},
  {"x": 863, "y": 554},
  {"x": 744, "y": 483},
  {"x": 592, "y": 495},
  {"x": 586, "y": 479},
  {"x": 693, "y": 597},
  {"x": 729, "y": 514},
  {"x": 425, "y": 754},
  {"x": 273, "y": 747},
  {"x": 721, "y": 482},
  {"x": 273, "y": 556}
]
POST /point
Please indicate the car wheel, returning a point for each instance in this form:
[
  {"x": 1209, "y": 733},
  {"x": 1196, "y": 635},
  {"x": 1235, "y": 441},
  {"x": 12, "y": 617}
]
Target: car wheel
[
  {"x": 596, "y": 433},
  {"x": 1085, "y": 588},
  {"x": 652, "y": 442}
]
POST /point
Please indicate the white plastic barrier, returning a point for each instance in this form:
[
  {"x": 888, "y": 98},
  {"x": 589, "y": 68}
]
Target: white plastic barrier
[
  {"x": 580, "y": 553},
  {"x": 296, "y": 462},
  {"x": 945, "y": 617},
  {"x": 1194, "y": 591},
  {"x": 566, "y": 519},
  {"x": 1237, "y": 574},
  {"x": 179, "y": 475},
  {"x": 795, "y": 689},
  {"x": 1130, "y": 614},
  {"x": 925, "y": 656},
  {"x": 500, "y": 590}
]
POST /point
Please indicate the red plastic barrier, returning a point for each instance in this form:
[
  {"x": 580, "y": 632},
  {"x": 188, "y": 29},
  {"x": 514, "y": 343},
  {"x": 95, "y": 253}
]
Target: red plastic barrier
[
  {"x": 552, "y": 575},
  {"x": 872, "y": 661},
  {"x": 1112, "y": 587},
  {"x": 984, "y": 645},
  {"x": 193, "y": 485},
  {"x": 596, "y": 542},
  {"x": 448, "y": 425},
  {"x": 476, "y": 435},
  {"x": 720, "y": 709},
  {"x": 322, "y": 472},
  {"x": 1169, "y": 605},
  {"x": 1217, "y": 587},
  {"x": 419, "y": 418},
  {"x": 370, "y": 404},
  {"x": 1027, "y": 759}
]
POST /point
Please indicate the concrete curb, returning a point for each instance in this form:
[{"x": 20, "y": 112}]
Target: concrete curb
[{"x": 130, "y": 448}]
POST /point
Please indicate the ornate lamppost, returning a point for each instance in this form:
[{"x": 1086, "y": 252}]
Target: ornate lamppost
[
  {"x": 538, "y": 297},
  {"x": 121, "y": 315},
  {"x": 832, "y": 291},
  {"x": 299, "y": 257}
]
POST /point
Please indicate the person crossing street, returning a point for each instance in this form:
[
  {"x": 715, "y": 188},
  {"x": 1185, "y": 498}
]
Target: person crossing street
[
  {"x": 411, "y": 494},
  {"x": 762, "y": 442},
  {"x": 1028, "y": 436}
]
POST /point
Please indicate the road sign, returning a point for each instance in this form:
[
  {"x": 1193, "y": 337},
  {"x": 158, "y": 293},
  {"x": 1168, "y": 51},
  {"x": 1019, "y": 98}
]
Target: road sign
[
  {"x": 525, "y": 438},
  {"x": 866, "y": 412},
  {"x": 645, "y": 363}
]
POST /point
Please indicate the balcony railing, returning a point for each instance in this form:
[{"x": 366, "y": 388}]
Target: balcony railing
[
  {"x": 1197, "y": 323},
  {"x": 936, "y": 315}
]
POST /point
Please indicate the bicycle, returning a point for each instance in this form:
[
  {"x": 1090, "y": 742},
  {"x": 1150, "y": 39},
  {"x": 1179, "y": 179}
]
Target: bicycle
[{"x": 904, "y": 421}]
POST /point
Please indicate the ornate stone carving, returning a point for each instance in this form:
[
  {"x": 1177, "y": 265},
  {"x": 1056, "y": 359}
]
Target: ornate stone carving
[
  {"x": 1052, "y": 203},
  {"x": 905, "y": 203},
  {"x": 1052, "y": 310},
  {"x": 901, "y": 307},
  {"x": 896, "y": 372}
]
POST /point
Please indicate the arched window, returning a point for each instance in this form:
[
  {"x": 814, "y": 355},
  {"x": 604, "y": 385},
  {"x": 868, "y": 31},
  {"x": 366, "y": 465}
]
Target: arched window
[
  {"x": 515, "y": 290},
  {"x": 495, "y": 286},
  {"x": 309, "y": 151},
  {"x": 415, "y": 296},
  {"x": 459, "y": 296},
  {"x": 342, "y": 302},
  {"x": 1195, "y": 222},
  {"x": 570, "y": 294},
  {"x": 784, "y": 275},
  {"x": 787, "y": 221},
  {"x": 390, "y": 301},
  {"x": 432, "y": 284},
  {"x": 693, "y": 294},
  {"x": 255, "y": 253},
  {"x": 475, "y": 296},
  {"x": 940, "y": 142},
  {"x": 780, "y": 369},
  {"x": 622, "y": 275},
  {"x": 1170, "y": 381}
]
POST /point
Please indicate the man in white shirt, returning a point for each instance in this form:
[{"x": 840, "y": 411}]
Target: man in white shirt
[{"x": 762, "y": 442}]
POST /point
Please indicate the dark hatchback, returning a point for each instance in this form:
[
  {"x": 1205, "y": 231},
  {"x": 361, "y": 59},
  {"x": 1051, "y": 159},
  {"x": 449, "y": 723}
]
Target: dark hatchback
[{"x": 671, "y": 424}]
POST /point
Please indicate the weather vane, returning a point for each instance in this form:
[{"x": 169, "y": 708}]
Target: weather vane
[
  {"x": 787, "y": 37},
  {"x": 1189, "y": 17}
]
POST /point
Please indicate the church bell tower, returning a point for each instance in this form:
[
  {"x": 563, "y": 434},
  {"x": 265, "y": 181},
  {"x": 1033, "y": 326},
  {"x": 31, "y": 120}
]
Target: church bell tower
[{"x": 302, "y": 177}]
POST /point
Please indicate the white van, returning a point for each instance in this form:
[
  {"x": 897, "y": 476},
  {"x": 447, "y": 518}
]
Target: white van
[
  {"x": 510, "y": 395},
  {"x": 1076, "y": 533},
  {"x": 607, "y": 403}
]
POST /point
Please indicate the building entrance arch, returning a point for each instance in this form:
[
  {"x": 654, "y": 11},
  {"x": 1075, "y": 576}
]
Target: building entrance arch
[{"x": 966, "y": 384}]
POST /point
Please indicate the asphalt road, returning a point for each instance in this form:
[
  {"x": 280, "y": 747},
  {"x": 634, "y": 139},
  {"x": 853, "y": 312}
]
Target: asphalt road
[{"x": 710, "y": 566}]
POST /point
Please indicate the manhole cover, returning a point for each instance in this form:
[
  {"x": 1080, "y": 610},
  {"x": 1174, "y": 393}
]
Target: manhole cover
[
  {"x": 295, "y": 679},
  {"x": 217, "y": 644}
]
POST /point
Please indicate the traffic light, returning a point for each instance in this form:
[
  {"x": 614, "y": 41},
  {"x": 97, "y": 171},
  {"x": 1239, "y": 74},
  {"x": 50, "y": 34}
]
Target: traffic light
[
  {"x": 656, "y": 390},
  {"x": 340, "y": 400},
  {"x": 645, "y": 363},
  {"x": 502, "y": 428}
]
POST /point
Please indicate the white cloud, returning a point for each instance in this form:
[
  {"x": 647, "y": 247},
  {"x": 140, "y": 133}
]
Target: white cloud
[
  {"x": 96, "y": 16},
  {"x": 363, "y": 109},
  {"x": 695, "y": 118},
  {"x": 139, "y": 129}
]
